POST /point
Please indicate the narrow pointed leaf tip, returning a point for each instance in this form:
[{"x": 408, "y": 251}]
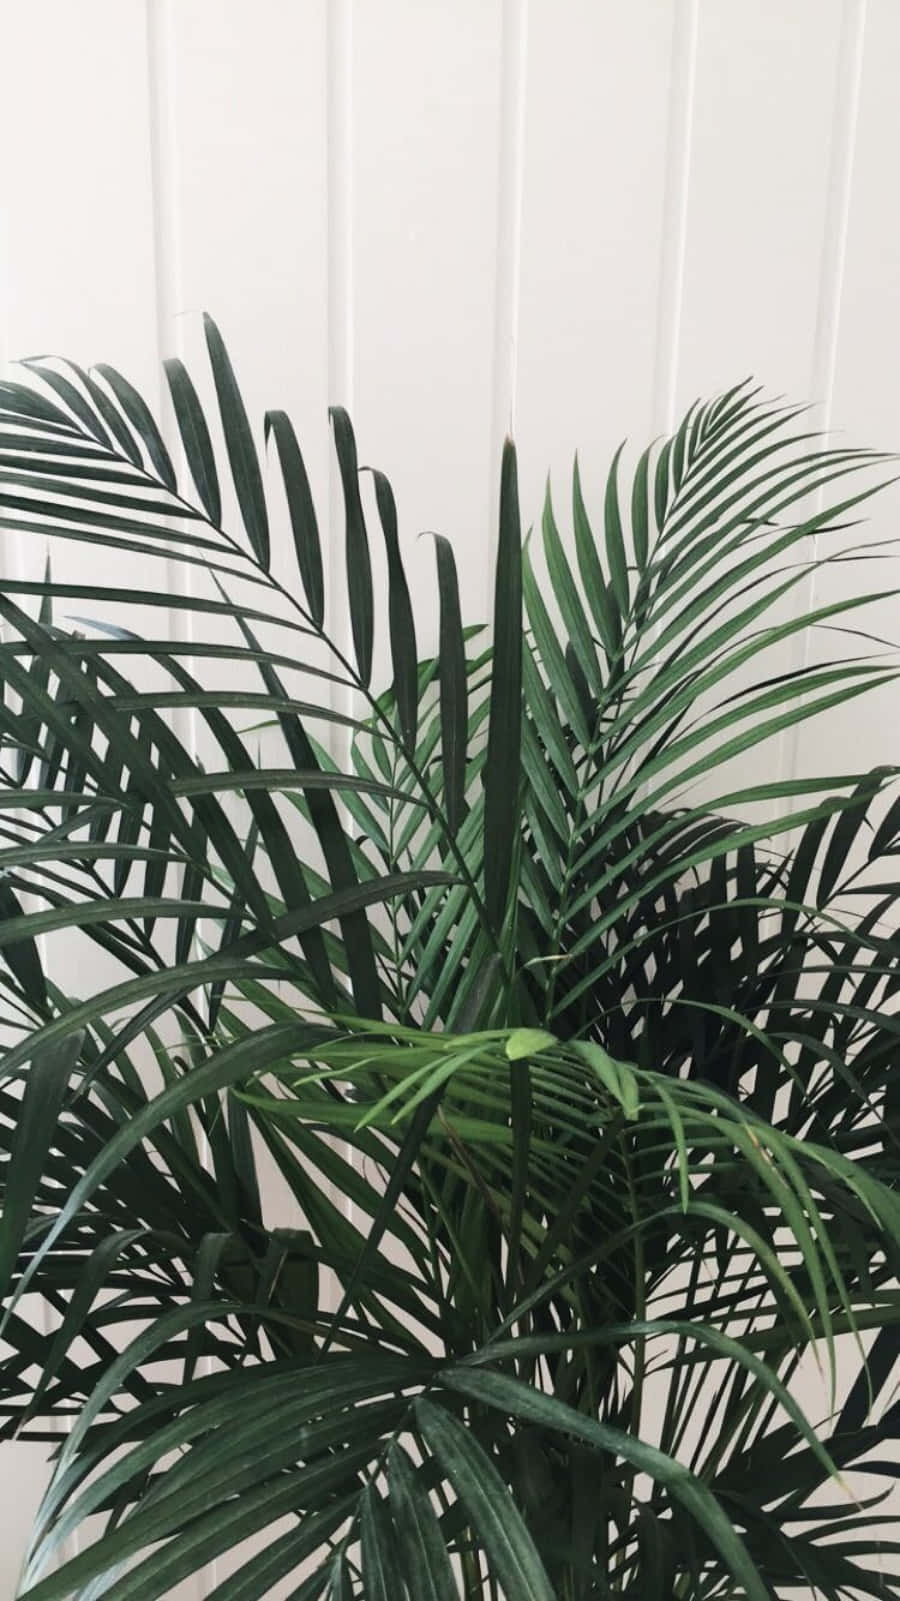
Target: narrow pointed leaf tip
[
  {"x": 195, "y": 439},
  {"x": 302, "y": 512},
  {"x": 239, "y": 444},
  {"x": 401, "y": 622},
  {"x": 358, "y": 558},
  {"x": 502, "y": 768},
  {"x": 454, "y": 703}
]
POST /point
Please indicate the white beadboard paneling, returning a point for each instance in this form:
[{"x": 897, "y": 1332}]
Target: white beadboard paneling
[
  {"x": 76, "y": 183},
  {"x": 595, "y": 173},
  {"x": 867, "y": 394},
  {"x": 251, "y": 196},
  {"x": 251, "y": 202},
  {"x": 865, "y": 404},
  {"x": 799, "y": 745},
  {"x": 426, "y": 126},
  {"x": 76, "y": 192},
  {"x": 241, "y": 213},
  {"x": 508, "y": 259},
  {"x": 758, "y": 190},
  {"x": 679, "y": 138},
  {"x": 245, "y": 194},
  {"x": 758, "y": 215},
  {"x": 339, "y": 307}
]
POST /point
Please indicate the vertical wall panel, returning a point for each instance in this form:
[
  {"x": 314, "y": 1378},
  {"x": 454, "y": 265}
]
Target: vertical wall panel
[
  {"x": 757, "y": 195},
  {"x": 596, "y": 122},
  {"x": 865, "y": 405},
  {"x": 758, "y": 218},
  {"x": 426, "y": 124},
  {"x": 249, "y": 86},
  {"x": 250, "y": 95},
  {"x": 867, "y": 394},
  {"x": 76, "y": 194},
  {"x": 75, "y": 182}
]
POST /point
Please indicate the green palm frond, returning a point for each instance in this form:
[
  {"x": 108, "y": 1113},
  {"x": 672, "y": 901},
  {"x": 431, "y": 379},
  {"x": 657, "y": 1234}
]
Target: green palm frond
[{"x": 571, "y": 1048}]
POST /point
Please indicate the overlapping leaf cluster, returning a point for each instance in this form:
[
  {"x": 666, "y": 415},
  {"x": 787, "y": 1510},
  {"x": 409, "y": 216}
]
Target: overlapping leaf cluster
[{"x": 434, "y": 1165}]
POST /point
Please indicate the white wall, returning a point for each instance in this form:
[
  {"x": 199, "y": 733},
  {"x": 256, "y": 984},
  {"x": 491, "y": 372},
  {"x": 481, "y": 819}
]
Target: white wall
[{"x": 448, "y": 215}]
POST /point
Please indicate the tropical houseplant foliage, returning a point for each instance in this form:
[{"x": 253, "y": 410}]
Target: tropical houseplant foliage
[{"x": 577, "y": 1081}]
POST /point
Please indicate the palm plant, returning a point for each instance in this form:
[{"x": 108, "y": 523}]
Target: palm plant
[{"x": 447, "y": 1131}]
